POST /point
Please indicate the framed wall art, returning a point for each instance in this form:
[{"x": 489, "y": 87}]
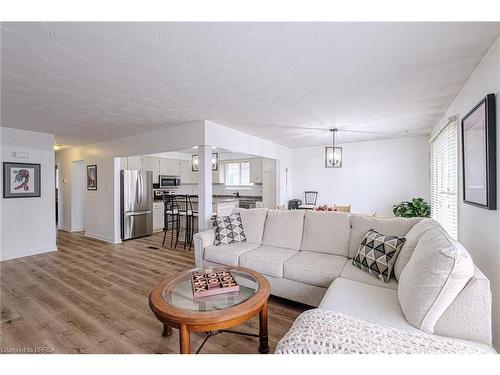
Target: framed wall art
[
  {"x": 92, "y": 177},
  {"x": 21, "y": 180},
  {"x": 479, "y": 155}
]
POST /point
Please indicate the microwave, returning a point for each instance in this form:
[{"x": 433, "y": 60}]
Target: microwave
[{"x": 167, "y": 182}]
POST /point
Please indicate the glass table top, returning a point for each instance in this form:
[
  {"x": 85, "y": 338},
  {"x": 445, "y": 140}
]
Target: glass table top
[{"x": 180, "y": 295}]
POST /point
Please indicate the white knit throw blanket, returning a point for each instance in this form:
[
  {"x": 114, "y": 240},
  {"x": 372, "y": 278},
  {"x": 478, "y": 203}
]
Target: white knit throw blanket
[{"x": 320, "y": 331}]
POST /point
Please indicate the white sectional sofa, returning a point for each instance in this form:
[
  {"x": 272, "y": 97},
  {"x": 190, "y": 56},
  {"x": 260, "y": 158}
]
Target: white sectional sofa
[{"x": 307, "y": 257}]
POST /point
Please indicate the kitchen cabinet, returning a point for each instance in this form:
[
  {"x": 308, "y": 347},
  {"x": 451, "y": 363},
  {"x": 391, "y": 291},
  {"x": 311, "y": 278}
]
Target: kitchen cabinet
[
  {"x": 152, "y": 164},
  {"x": 157, "y": 216},
  {"x": 187, "y": 174},
  {"x": 134, "y": 162},
  {"x": 256, "y": 171},
  {"x": 218, "y": 175},
  {"x": 224, "y": 207},
  {"x": 268, "y": 165},
  {"x": 123, "y": 164},
  {"x": 170, "y": 167}
]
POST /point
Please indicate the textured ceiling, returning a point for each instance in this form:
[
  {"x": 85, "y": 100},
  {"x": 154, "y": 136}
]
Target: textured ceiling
[{"x": 87, "y": 82}]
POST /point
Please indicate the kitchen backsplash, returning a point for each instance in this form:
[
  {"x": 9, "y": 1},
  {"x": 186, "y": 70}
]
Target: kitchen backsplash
[{"x": 220, "y": 189}]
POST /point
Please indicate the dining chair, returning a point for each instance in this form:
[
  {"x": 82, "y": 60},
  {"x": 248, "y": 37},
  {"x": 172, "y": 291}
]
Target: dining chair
[
  {"x": 343, "y": 208},
  {"x": 310, "y": 198}
]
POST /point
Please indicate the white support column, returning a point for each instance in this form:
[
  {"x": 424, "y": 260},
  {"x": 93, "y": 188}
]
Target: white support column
[{"x": 204, "y": 186}]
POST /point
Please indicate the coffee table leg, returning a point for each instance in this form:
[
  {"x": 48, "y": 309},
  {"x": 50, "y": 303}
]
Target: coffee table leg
[
  {"x": 167, "y": 330},
  {"x": 263, "y": 339},
  {"x": 184, "y": 340}
]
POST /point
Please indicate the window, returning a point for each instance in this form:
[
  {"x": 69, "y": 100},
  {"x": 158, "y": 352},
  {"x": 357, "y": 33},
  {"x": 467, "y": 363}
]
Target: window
[
  {"x": 444, "y": 167},
  {"x": 237, "y": 174}
]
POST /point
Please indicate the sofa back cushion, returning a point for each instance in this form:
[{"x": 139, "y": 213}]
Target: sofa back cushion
[
  {"x": 469, "y": 315},
  {"x": 436, "y": 273},
  {"x": 361, "y": 224},
  {"x": 412, "y": 238},
  {"x": 283, "y": 228},
  {"x": 253, "y": 220},
  {"x": 326, "y": 232}
]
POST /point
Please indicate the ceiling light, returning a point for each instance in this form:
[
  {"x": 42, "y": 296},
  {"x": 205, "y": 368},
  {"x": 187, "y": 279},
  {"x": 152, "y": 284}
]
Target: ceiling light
[
  {"x": 57, "y": 146},
  {"x": 333, "y": 154}
]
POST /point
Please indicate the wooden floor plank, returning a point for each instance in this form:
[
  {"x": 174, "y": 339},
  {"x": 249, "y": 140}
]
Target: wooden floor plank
[{"x": 92, "y": 297}]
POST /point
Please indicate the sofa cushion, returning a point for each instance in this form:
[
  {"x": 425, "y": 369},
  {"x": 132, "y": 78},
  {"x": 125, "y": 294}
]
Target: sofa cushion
[
  {"x": 228, "y": 254},
  {"x": 469, "y": 315},
  {"x": 351, "y": 272},
  {"x": 283, "y": 228},
  {"x": 377, "y": 254},
  {"x": 228, "y": 229},
  {"x": 435, "y": 274},
  {"x": 412, "y": 238},
  {"x": 366, "y": 302},
  {"x": 361, "y": 224},
  {"x": 253, "y": 220},
  {"x": 268, "y": 260},
  {"x": 326, "y": 232},
  {"x": 314, "y": 268}
]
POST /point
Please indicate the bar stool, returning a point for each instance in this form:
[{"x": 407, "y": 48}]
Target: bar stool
[
  {"x": 193, "y": 217},
  {"x": 170, "y": 216},
  {"x": 183, "y": 207}
]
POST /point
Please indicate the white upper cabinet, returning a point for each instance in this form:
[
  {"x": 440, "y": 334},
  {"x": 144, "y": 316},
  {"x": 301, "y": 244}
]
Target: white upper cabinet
[
  {"x": 152, "y": 164},
  {"x": 218, "y": 175},
  {"x": 268, "y": 165},
  {"x": 134, "y": 162},
  {"x": 256, "y": 171},
  {"x": 187, "y": 175},
  {"x": 170, "y": 167},
  {"x": 123, "y": 163}
]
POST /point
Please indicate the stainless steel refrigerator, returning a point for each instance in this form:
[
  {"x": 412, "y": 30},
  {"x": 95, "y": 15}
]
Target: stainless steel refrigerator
[{"x": 136, "y": 189}]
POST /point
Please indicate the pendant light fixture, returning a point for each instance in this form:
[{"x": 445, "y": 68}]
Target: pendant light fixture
[
  {"x": 195, "y": 161},
  {"x": 333, "y": 154}
]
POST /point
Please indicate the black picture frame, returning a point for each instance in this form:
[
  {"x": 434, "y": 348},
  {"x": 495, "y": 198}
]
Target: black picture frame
[
  {"x": 92, "y": 177},
  {"x": 27, "y": 175},
  {"x": 479, "y": 179}
]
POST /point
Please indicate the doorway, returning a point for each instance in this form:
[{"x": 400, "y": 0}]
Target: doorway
[{"x": 78, "y": 182}]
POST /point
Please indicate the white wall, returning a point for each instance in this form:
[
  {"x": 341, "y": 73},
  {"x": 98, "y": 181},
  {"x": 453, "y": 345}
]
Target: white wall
[
  {"x": 479, "y": 229},
  {"x": 102, "y": 206},
  {"x": 374, "y": 176},
  {"x": 28, "y": 224},
  {"x": 78, "y": 187}
]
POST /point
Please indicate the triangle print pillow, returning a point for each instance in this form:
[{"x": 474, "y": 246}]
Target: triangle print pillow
[
  {"x": 377, "y": 254},
  {"x": 228, "y": 229}
]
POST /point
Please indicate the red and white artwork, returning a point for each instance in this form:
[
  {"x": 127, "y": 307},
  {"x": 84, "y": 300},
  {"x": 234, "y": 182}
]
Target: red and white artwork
[{"x": 21, "y": 180}]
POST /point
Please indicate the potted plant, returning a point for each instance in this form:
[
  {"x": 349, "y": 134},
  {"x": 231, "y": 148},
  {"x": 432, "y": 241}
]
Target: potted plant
[{"x": 417, "y": 207}]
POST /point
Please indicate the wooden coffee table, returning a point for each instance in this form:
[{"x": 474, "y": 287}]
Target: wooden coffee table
[{"x": 172, "y": 303}]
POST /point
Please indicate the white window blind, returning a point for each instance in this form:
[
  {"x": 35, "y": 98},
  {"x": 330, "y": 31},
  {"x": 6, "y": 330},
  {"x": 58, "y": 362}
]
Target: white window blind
[
  {"x": 444, "y": 168},
  {"x": 237, "y": 174}
]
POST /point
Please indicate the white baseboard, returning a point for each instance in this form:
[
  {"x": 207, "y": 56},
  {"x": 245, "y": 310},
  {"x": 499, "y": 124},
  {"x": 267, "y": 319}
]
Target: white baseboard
[
  {"x": 27, "y": 253},
  {"x": 66, "y": 229},
  {"x": 99, "y": 237}
]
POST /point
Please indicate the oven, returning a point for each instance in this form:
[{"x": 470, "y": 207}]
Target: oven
[{"x": 169, "y": 182}]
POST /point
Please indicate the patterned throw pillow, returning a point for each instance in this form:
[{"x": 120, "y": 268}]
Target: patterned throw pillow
[
  {"x": 377, "y": 254},
  {"x": 228, "y": 229}
]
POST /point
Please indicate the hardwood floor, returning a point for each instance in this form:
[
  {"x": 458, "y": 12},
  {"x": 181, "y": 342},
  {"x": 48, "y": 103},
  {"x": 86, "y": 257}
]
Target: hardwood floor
[{"x": 92, "y": 297}]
